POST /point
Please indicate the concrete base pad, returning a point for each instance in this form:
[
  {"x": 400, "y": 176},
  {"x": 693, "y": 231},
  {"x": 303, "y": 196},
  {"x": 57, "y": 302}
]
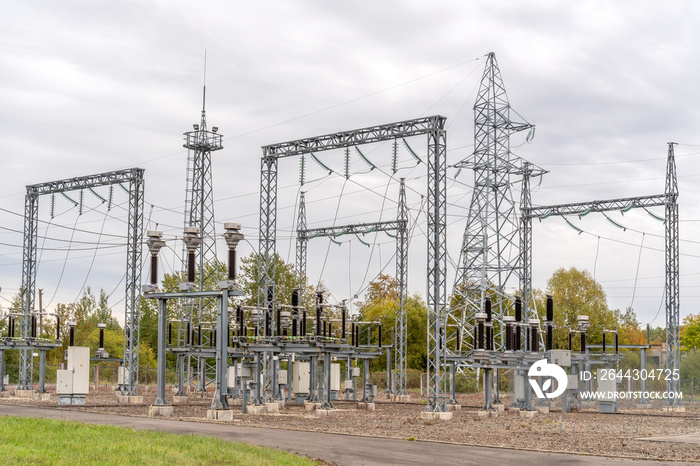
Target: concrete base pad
[
  {"x": 514, "y": 410},
  {"x": 179, "y": 398},
  {"x": 454, "y": 407},
  {"x": 325, "y": 412},
  {"x": 673, "y": 409},
  {"x": 220, "y": 415},
  {"x": 309, "y": 406},
  {"x": 24, "y": 393},
  {"x": 500, "y": 407},
  {"x": 643, "y": 405},
  {"x": 78, "y": 400},
  {"x": 160, "y": 411},
  {"x": 41, "y": 396},
  {"x": 129, "y": 399},
  {"x": 401, "y": 398},
  {"x": 365, "y": 406},
  {"x": 257, "y": 409},
  {"x": 273, "y": 408},
  {"x": 429, "y": 415},
  {"x": 542, "y": 409},
  {"x": 528, "y": 414}
]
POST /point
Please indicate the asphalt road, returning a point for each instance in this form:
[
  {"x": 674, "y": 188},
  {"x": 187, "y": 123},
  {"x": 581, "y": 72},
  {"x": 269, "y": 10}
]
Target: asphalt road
[{"x": 345, "y": 450}]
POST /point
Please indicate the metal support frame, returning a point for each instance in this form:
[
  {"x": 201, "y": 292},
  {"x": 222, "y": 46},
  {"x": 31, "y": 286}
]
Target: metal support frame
[
  {"x": 133, "y": 176},
  {"x": 434, "y": 128},
  {"x": 668, "y": 200}
]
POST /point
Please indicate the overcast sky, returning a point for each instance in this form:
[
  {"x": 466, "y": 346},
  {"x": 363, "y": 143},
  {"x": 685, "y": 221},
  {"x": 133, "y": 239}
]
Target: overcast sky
[{"x": 89, "y": 87}]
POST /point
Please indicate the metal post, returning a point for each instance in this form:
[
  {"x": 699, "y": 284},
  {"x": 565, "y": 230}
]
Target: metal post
[
  {"x": 162, "y": 324},
  {"x": 327, "y": 381},
  {"x": 220, "y": 400},
  {"x": 42, "y": 371},
  {"x": 2, "y": 370}
]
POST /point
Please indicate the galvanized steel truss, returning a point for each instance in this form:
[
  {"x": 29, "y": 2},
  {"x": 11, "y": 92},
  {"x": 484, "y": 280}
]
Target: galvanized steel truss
[
  {"x": 434, "y": 128},
  {"x": 134, "y": 177}
]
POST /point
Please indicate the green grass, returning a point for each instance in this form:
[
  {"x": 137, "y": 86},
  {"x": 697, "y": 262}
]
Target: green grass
[{"x": 53, "y": 442}]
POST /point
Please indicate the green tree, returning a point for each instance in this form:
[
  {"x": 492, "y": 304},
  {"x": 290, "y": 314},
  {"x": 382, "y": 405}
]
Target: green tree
[
  {"x": 380, "y": 303},
  {"x": 286, "y": 280},
  {"x": 690, "y": 332},
  {"x": 577, "y": 293}
]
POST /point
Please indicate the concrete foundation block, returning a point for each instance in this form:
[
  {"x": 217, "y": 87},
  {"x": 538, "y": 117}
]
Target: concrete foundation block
[
  {"x": 402, "y": 398},
  {"x": 160, "y": 411},
  {"x": 454, "y": 407},
  {"x": 643, "y": 405},
  {"x": 24, "y": 393},
  {"x": 220, "y": 415},
  {"x": 500, "y": 407},
  {"x": 257, "y": 409},
  {"x": 542, "y": 409},
  {"x": 129, "y": 399},
  {"x": 514, "y": 410},
  {"x": 365, "y": 406},
  {"x": 325, "y": 412},
  {"x": 528, "y": 414},
  {"x": 482, "y": 413},
  {"x": 273, "y": 408},
  {"x": 673, "y": 409},
  {"x": 179, "y": 399},
  {"x": 430, "y": 415},
  {"x": 310, "y": 406},
  {"x": 41, "y": 396}
]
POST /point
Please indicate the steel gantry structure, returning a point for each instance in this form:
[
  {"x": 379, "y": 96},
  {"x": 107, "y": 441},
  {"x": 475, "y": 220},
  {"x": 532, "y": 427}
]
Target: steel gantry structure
[
  {"x": 434, "y": 128},
  {"x": 134, "y": 178},
  {"x": 199, "y": 212},
  {"x": 400, "y": 226},
  {"x": 668, "y": 200},
  {"x": 491, "y": 256}
]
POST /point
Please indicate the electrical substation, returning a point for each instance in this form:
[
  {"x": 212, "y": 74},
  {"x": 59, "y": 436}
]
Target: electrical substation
[{"x": 268, "y": 357}]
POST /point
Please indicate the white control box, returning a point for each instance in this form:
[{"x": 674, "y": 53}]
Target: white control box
[
  {"x": 348, "y": 385},
  {"x": 572, "y": 383},
  {"x": 79, "y": 363},
  {"x": 607, "y": 385},
  {"x": 122, "y": 376},
  {"x": 64, "y": 382},
  {"x": 301, "y": 377},
  {"x": 561, "y": 358},
  {"x": 335, "y": 377},
  {"x": 282, "y": 377},
  {"x": 355, "y": 372},
  {"x": 231, "y": 377},
  {"x": 243, "y": 371}
]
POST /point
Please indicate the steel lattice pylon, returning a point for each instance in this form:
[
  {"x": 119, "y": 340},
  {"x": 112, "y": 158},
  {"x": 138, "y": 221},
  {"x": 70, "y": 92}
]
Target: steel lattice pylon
[
  {"x": 490, "y": 258},
  {"x": 673, "y": 358},
  {"x": 199, "y": 212},
  {"x": 132, "y": 320},
  {"x": 402, "y": 288}
]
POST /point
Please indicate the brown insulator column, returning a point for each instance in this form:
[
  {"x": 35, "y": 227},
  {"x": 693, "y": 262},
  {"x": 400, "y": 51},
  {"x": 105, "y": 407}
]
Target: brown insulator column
[
  {"x": 550, "y": 322},
  {"x": 232, "y": 236},
  {"x": 518, "y": 320},
  {"x": 319, "y": 310},
  {"x": 192, "y": 241}
]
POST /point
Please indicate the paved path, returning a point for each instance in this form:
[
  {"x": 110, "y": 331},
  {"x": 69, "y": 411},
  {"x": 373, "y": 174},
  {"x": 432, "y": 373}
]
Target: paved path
[{"x": 342, "y": 450}]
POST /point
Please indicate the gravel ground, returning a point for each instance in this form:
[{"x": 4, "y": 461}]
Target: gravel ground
[{"x": 586, "y": 432}]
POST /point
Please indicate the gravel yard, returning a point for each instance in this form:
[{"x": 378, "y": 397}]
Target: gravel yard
[{"x": 586, "y": 432}]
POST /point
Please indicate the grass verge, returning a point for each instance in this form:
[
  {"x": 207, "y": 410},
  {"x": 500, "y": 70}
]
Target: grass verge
[{"x": 54, "y": 442}]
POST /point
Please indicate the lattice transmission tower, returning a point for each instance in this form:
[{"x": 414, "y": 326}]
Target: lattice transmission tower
[
  {"x": 490, "y": 257},
  {"x": 199, "y": 212}
]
